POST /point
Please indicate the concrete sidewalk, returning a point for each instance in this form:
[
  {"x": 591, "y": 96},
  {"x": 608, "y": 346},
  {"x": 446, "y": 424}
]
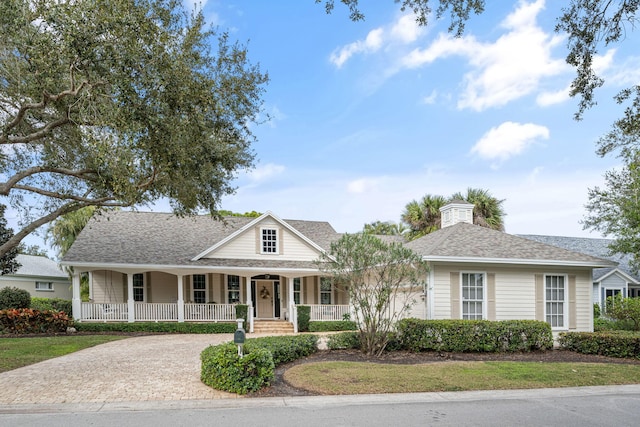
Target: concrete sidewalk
[{"x": 137, "y": 369}]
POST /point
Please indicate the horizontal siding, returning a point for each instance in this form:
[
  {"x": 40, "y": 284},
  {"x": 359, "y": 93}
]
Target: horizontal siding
[
  {"x": 108, "y": 287},
  {"x": 244, "y": 246},
  {"x": 164, "y": 287},
  {"x": 514, "y": 290}
]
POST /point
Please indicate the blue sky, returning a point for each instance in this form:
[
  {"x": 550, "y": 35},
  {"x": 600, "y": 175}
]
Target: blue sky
[{"x": 367, "y": 116}]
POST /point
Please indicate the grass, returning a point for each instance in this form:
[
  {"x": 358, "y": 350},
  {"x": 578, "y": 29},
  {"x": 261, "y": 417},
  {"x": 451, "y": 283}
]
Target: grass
[
  {"x": 334, "y": 378},
  {"x": 18, "y": 352}
]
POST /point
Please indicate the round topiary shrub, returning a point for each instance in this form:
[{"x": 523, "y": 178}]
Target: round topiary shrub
[
  {"x": 223, "y": 369},
  {"x": 11, "y": 297}
]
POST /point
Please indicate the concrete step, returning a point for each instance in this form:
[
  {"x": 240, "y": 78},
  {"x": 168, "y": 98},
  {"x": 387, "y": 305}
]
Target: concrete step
[{"x": 272, "y": 327}]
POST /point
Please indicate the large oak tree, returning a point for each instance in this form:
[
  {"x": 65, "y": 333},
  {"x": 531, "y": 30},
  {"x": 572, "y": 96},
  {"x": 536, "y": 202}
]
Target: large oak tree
[{"x": 119, "y": 103}]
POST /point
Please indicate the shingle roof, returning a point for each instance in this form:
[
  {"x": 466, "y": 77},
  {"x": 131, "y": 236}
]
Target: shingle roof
[
  {"x": 143, "y": 238},
  {"x": 38, "y": 266},
  {"x": 466, "y": 241},
  {"x": 590, "y": 246}
]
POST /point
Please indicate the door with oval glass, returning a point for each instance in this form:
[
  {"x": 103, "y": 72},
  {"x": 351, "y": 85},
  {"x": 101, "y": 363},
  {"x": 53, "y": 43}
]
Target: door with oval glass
[{"x": 264, "y": 299}]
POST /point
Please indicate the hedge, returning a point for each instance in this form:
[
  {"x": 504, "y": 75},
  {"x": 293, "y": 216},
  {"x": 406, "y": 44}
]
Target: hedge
[
  {"x": 334, "y": 325},
  {"x": 304, "y": 315},
  {"x": 242, "y": 311},
  {"x": 344, "y": 341},
  {"x": 613, "y": 344},
  {"x": 223, "y": 369},
  {"x": 12, "y": 297},
  {"x": 474, "y": 335},
  {"x": 29, "y": 321},
  {"x": 169, "y": 327},
  {"x": 57, "y": 304}
]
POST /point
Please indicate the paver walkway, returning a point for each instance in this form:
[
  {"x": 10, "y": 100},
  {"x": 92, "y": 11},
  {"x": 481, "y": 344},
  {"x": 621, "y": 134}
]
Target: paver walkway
[{"x": 155, "y": 367}]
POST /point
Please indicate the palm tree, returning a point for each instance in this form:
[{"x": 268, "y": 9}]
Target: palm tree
[
  {"x": 423, "y": 217},
  {"x": 388, "y": 228},
  {"x": 487, "y": 210}
]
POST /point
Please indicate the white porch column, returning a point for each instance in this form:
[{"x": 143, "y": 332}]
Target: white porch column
[
  {"x": 130, "y": 303},
  {"x": 76, "y": 303},
  {"x": 180, "y": 299},
  {"x": 90, "y": 286},
  {"x": 292, "y": 303},
  {"x": 249, "y": 302}
]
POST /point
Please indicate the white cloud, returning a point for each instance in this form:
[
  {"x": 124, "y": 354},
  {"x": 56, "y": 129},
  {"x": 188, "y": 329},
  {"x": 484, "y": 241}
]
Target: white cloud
[
  {"x": 504, "y": 70},
  {"x": 508, "y": 140},
  {"x": 263, "y": 173},
  {"x": 431, "y": 98},
  {"x": 545, "y": 99},
  {"x": 371, "y": 43},
  {"x": 276, "y": 116},
  {"x": 361, "y": 185},
  {"x": 403, "y": 31}
]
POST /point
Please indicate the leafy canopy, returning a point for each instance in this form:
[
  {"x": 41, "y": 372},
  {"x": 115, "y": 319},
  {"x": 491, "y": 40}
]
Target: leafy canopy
[
  {"x": 8, "y": 263},
  {"x": 119, "y": 103}
]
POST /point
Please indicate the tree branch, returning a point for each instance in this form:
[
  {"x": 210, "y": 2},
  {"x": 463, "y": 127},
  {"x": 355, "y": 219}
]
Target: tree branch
[{"x": 12, "y": 182}]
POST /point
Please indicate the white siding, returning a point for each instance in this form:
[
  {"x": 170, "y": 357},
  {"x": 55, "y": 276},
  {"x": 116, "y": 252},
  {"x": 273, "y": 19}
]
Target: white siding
[
  {"x": 108, "y": 287},
  {"x": 161, "y": 287},
  {"x": 514, "y": 291},
  {"x": 245, "y": 246}
]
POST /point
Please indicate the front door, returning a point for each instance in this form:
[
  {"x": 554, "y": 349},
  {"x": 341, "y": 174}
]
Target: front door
[{"x": 264, "y": 299}]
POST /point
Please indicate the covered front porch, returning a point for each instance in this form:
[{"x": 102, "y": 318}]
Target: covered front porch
[{"x": 178, "y": 296}]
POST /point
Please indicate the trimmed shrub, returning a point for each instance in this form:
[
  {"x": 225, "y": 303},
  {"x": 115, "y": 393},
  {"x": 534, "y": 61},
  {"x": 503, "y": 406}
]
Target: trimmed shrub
[
  {"x": 613, "y": 344},
  {"x": 29, "y": 321},
  {"x": 334, "y": 325},
  {"x": 304, "y": 315},
  {"x": 242, "y": 311},
  {"x": 11, "y": 297},
  {"x": 345, "y": 340},
  {"x": 223, "y": 369},
  {"x": 159, "y": 327},
  {"x": 474, "y": 335},
  {"x": 57, "y": 304},
  {"x": 596, "y": 311},
  {"x": 285, "y": 348}
]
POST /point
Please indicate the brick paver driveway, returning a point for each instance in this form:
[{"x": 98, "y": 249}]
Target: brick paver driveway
[{"x": 156, "y": 367}]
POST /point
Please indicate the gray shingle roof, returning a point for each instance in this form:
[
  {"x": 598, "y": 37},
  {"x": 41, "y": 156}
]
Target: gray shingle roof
[
  {"x": 144, "y": 238},
  {"x": 591, "y": 246},
  {"x": 38, "y": 266},
  {"x": 467, "y": 241}
]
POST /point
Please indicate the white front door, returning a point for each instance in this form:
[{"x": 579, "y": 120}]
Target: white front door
[{"x": 264, "y": 299}]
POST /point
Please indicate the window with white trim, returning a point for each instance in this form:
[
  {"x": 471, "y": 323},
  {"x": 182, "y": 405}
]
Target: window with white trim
[
  {"x": 555, "y": 295},
  {"x": 199, "y": 285},
  {"x": 44, "y": 286},
  {"x": 269, "y": 240},
  {"x": 473, "y": 295},
  {"x": 233, "y": 289},
  {"x": 297, "y": 290},
  {"x": 138, "y": 287},
  {"x": 325, "y": 291}
]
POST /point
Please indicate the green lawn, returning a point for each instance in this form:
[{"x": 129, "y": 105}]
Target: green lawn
[
  {"x": 18, "y": 352},
  {"x": 361, "y": 378}
]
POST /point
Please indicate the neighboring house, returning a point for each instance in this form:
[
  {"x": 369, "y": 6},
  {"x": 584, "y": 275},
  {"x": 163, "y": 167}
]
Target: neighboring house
[
  {"x": 608, "y": 281},
  {"x": 158, "y": 267},
  {"x": 40, "y": 276}
]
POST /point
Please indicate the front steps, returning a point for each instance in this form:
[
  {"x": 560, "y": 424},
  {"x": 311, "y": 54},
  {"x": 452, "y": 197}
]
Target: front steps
[{"x": 274, "y": 327}]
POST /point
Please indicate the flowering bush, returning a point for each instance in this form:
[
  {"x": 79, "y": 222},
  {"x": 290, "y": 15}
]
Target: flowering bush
[{"x": 29, "y": 321}]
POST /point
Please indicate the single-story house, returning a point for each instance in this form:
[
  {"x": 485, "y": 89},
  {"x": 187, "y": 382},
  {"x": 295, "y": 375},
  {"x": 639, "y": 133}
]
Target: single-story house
[
  {"x": 607, "y": 281},
  {"x": 40, "y": 276},
  {"x": 158, "y": 267}
]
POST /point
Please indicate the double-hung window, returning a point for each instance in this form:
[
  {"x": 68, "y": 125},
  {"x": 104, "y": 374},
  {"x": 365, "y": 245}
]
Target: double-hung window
[
  {"x": 269, "y": 240},
  {"x": 199, "y": 288},
  {"x": 297, "y": 291},
  {"x": 555, "y": 292},
  {"x": 138, "y": 287},
  {"x": 233, "y": 289},
  {"x": 325, "y": 290},
  {"x": 473, "y": 296}
]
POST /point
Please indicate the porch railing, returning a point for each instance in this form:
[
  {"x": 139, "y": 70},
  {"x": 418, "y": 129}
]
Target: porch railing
[
  {"x": 105, "y": 312},
  {"x": 156, "y": 312},
  {"x": 209, "y": 312},
  {"x": 321, "y": 312}
]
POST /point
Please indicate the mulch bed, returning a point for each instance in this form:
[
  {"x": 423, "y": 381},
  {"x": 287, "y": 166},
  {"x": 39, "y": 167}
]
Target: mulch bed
[{"x": 280, "y": 387}]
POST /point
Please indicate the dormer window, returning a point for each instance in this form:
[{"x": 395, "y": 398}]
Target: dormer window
[{"x": 269, "y": 241}]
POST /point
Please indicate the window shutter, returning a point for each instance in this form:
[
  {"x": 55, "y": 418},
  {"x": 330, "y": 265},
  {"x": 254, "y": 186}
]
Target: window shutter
[
  {"x": 454, "y": 280},
  {"x": 539, "y": 297},
  {"x": 147, "y": 287},
  {"x": 573, "y": 319},
  {"x": 280, "y": 238},
  {"x": 491, "y": 296},
  {"x": 257, "y": 240}
]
